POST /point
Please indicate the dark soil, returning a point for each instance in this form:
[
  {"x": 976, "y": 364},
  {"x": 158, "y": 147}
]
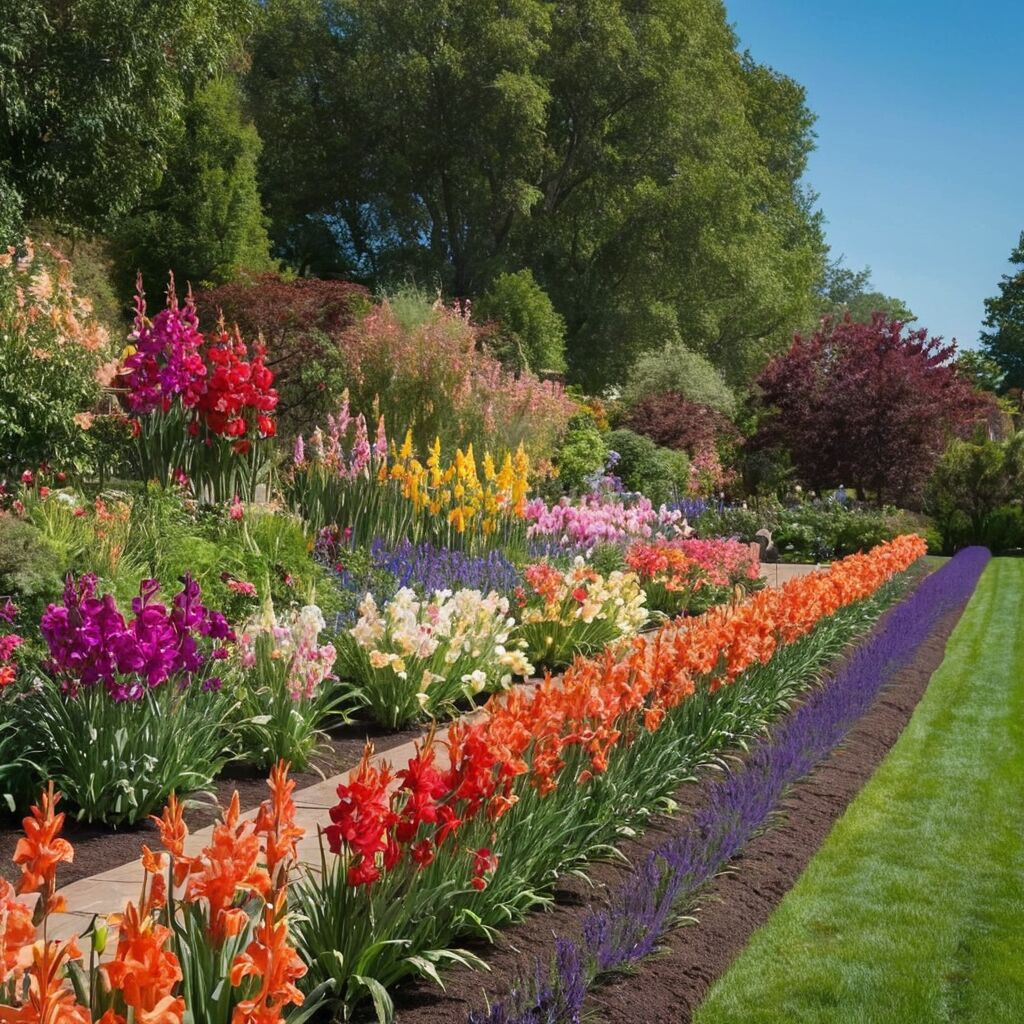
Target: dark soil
[
  {"x": 668, "y": 987},
  {"x": 98, "y": 848}
]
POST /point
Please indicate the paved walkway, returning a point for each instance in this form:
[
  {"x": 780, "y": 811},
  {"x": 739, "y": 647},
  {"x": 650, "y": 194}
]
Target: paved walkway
[{"x": 108, "y": 891}]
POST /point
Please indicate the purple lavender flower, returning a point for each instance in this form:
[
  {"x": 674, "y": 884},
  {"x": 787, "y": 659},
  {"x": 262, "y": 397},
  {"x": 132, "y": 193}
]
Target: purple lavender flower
[{"x": 641, "y": 910}]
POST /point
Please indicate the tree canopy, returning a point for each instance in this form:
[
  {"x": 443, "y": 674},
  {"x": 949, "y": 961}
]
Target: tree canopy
[
  {"x": 205, "y": 221},
  {"x": 1003, "y": 342},
  {"x": 866, "y": 405},
  {"x": 644, "y": 171},
  {"x": 91, "y": 96},
  {"x": 843, "y": 292}
]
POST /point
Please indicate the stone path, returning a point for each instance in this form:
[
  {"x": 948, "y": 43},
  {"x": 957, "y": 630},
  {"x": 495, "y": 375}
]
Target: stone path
[{"x": 108, "y": 891}]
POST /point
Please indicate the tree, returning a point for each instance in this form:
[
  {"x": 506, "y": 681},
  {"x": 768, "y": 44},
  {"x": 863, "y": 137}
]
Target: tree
[
  {"x": 868, "y": 405},
  {"x": 973, "y": 480},
  {"x": 1003, "y": 342},
  {"x": 645, "y": 172},
  {"x": 983, "y": 372},
  {"x": 675, "y": 369},
  {"x": 91, "y": 96},
  {"x": 844, "y": 291},
  {"x": 205, "y": 222},
  {"x": 529, "y": 334}
]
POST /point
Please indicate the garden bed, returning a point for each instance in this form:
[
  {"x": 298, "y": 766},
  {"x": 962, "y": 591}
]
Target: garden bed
[{"x": 668, "y": 987}]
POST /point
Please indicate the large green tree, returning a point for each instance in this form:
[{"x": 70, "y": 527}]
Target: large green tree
[
  {"x": 91, "y": 95},
  {"x": 644, "y": 171},
  {"x": 843, "y": 292},
  {"x": 204, "y": 221},
  {"x": 1003, "y": 342}
]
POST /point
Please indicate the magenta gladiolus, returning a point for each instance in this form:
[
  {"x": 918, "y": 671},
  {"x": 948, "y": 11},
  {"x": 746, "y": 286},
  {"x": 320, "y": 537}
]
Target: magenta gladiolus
[
  {"x": 90, "y": 641},
  {"x": 166, "y": 362}
]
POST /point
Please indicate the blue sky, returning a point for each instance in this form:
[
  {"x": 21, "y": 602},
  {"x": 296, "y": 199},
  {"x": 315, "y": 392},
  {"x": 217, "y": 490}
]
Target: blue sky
[{"x": 920, "y": 158}]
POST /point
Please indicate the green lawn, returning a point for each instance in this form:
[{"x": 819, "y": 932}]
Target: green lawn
[{"x": 913, "y": 910}]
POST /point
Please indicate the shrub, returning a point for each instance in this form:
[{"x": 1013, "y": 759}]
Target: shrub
[
  {"x": 671, "y": 420},
  {"x": 658, "y": 473},
  {"x": 529, "y": 334},
  {"x": 812, "y": 532},
  {"x": 424, "y": 371},
  {"x": 302, "y": 322},
  {"x": 1004, "y": 530},
  {"x": 30, "y": 569},
  {"x": 582, "y": 453},
  {"x": 678, "y": 369},
  {"x": 53, "y": 355}
]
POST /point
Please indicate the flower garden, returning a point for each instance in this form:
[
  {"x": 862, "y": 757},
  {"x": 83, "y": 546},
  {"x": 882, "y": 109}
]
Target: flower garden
[
  {"x": 355, "y": 668},
  {"x": 472, "y": 551},
  {"x": 203, "y": 604}
]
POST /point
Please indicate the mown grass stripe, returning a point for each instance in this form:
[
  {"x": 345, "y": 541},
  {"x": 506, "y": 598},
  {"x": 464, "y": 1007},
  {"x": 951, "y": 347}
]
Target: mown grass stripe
[{"x": 913, "y": 909}]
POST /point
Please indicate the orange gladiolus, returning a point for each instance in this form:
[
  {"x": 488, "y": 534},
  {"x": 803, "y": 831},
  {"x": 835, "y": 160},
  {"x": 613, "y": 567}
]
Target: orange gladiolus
[
  {"x": 41, "y": 850},
  {"x": 227, "y": 868},
  {"x": 16, "y": 931},
  {"x": 173, "y": 833},
  {"x": 270, "y": 958},
  {"x": 275, "y": 822},
  {"x": 143, "y": 972},
  {"x": 48, "y": 1000}
]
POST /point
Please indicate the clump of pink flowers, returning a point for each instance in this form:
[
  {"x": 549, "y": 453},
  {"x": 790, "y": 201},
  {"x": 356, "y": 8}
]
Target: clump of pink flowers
[
  {"x": 294, "y": 645},
  {"x": 596, "y": 519},
  {"x": 727, "y": 562},
  {"x": 90, "y": 642},
  {"x": 347, "y": 458}
]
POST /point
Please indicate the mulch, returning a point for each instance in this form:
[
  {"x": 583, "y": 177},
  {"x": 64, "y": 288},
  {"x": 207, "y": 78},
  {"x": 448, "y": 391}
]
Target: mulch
[
  {"x": 668, "y": 987},
  {"x": 98, "y": 848}
]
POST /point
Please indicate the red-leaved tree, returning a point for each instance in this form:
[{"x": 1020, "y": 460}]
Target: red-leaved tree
[
  {"x": 868, "y": 405},
  {"x": 673, "y": 421}
]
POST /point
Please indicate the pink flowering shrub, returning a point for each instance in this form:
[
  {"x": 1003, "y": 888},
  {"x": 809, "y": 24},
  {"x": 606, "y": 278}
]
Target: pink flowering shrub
[
  {"x": 599, "y": 519},
  {"x": 54, "y": 358},
  {"x": 435, "y": 377}
]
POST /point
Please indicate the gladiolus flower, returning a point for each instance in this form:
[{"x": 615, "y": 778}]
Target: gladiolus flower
[
  {"x": 41, "y": 850},
  {"x": 270, "y": 958}
]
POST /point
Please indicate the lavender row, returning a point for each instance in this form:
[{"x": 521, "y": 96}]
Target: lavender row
[{"x": 644, "y": 907}]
